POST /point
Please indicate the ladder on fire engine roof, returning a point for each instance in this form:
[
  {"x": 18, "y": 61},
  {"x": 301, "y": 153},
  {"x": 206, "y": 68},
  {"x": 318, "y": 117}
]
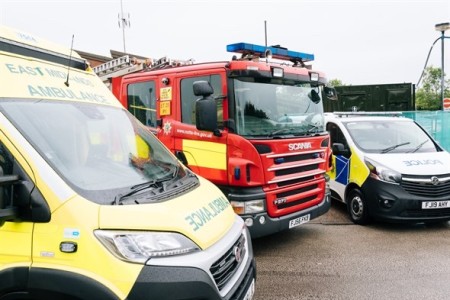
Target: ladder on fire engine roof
[{"x": 126, "y": 65}]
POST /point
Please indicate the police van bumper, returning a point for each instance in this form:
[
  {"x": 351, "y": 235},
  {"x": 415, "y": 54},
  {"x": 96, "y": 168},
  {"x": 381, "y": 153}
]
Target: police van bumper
[{"x": 392, "y": 203}]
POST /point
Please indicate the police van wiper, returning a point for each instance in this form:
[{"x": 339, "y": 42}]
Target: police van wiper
[
  {"x": 419, "y": 146},
  {"x": 389, "y": 149}
]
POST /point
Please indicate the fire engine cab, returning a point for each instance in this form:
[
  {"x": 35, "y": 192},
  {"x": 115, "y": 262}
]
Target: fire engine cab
[{"x": 253, "y": 126}]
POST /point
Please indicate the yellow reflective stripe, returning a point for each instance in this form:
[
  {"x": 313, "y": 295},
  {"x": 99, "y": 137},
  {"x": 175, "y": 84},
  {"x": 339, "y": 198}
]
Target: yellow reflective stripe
[
  {"x": 207, "y": 154},
  {"x": 358, "y": 169}
]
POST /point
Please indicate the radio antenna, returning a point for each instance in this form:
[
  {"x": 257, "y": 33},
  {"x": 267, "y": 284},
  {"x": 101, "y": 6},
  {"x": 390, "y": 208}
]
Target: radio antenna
[
  {"x": 123, "y": 22},
  {"x": 70, "y": 62}
]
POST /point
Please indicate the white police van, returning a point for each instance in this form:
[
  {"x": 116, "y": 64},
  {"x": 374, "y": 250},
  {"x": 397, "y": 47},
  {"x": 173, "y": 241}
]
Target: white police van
[{"x": 387, "y": 168}]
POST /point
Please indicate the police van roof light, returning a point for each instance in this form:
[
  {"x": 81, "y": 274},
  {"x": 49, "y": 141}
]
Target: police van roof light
[{"x": 277, "y": 52}]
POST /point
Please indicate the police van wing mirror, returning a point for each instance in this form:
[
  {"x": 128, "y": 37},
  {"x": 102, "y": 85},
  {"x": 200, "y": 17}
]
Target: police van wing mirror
[
  {"x": 330, "y": 93},
  {"x": 339, "y": 149}
]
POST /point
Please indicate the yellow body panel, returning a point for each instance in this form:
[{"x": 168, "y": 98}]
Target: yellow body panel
[
  {"x": 358, "y": 169},
  {"x": 76, "y": 221},
  {"x": 207, "y": 154},
  {"x": 204, "y": 215}
]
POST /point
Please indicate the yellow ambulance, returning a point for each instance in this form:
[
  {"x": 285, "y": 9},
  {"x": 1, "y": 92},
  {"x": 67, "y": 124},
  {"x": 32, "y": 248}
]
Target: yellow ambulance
[{"x": 92, "y": 205}]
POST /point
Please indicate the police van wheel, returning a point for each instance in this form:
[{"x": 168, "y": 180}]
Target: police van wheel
[{"x": 357, "y": 207}]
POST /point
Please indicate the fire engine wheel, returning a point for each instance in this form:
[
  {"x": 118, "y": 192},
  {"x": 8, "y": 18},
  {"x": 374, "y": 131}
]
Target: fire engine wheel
[{"x": 357, "y": 207}]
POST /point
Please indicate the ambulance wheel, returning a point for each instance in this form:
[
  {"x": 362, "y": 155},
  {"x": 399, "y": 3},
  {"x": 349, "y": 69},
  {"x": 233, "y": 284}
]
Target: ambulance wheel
[{"x": 357, "y": 207}]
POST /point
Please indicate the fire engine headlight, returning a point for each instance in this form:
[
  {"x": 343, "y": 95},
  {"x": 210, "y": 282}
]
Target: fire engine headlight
[
  {"x": 383, "y": 173},
  {"x": 248, "y": 207},
  {"x": 138, "y": 247}
]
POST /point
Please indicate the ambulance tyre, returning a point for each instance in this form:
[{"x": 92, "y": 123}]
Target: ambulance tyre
[{"x": 357, "y": 207}]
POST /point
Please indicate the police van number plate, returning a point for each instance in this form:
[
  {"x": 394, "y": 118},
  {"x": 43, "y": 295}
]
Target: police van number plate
[
  {"x": 299, "y": 221},
  {"x": 435, "y": 204}
]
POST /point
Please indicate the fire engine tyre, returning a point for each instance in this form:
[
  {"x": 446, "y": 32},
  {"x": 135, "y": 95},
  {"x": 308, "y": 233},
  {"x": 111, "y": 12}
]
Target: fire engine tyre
[{"x": 357, "y": 207}]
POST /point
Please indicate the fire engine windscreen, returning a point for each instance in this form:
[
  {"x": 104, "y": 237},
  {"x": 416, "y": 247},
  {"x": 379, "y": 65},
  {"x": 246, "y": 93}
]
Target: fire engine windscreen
[{"x": 272, "y": 109}]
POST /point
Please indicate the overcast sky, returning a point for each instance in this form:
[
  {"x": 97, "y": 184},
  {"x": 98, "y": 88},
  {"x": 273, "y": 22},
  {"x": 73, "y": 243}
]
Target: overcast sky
[{"x": 355, "y": 41}]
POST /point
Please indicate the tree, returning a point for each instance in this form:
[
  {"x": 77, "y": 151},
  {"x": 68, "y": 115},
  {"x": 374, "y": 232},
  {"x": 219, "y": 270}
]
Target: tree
[
  {"x": 428, "y": 96},
  {"x": 335, "y": 82}
]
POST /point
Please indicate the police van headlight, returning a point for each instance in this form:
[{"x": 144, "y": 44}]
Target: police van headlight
[
  {"x": 248, "y": 207},
  {"x": 381, "y": 172},
  {"x": 138, "y": 247}
]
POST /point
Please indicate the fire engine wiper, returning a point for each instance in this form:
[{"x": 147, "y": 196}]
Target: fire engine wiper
[
  {"x": 389, "y": 149},
  {"x": 278, "y": 131}
]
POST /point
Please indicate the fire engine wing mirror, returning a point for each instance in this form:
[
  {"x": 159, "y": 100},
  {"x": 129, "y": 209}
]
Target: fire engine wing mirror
[
  {"x": 314, "y": 96},
  {"x": 203, "y": 88},
  {"x": 205, "y": 108},
  {"x": 330, "y": 93},
  {"x": 206, "y": 114}
]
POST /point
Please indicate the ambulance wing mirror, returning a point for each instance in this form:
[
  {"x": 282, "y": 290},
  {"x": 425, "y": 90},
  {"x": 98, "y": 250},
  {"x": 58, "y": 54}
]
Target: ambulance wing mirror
[
  {"x": 205, "y": 108},
  {"x": 8, "y": 212},
  {"x": 330, "y": 93}
]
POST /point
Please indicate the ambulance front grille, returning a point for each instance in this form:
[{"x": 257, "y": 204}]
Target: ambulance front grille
[{"x": 225, "y": 267}]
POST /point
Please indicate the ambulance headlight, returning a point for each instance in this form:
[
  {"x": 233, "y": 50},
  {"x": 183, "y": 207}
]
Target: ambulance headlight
[
  {"x": 381, "y": 172},
  {"x": 248, "y": 207},
  {"x": 138, "y": 247}
]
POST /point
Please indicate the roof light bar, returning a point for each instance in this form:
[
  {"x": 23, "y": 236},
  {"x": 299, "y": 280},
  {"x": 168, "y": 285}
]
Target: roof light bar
[{"x": 277, "y": 52}]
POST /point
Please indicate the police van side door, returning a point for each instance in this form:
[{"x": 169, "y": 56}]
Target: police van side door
[{"x": 341, "y": 153}]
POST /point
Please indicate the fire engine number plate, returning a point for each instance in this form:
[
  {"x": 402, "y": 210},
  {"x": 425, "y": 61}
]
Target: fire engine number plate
[
  {"x": 435, "y": 204},
  {"x": 299, "y": 221},
  {"x": 250, "y": 291}
]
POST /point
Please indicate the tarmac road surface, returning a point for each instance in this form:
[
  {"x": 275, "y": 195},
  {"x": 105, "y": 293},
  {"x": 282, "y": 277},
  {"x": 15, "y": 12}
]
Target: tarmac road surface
[{"x": 331, "y": 258}]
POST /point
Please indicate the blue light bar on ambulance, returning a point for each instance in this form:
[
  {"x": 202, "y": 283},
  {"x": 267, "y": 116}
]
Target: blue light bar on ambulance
[{"x": 279, "y": 53}]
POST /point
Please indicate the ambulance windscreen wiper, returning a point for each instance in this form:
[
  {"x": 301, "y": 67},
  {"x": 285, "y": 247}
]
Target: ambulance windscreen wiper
[
  {"x": 389, "y": 149},
  {"x": 143, "y": 186}
]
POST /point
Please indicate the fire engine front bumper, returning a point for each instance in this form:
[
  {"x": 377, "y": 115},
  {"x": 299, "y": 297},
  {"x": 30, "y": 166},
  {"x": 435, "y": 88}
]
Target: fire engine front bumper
[{"x": 262, "y": 225}]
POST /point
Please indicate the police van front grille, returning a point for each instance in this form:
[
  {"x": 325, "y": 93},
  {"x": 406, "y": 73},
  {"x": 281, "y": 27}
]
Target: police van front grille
[
  {"x": 225, "y": 267},
  {"x": 427, "y": 186}
]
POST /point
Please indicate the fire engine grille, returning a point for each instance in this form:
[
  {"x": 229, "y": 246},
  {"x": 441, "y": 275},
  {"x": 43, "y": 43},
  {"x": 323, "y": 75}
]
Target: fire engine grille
[
  {"x": 225, "y": 267},
  {"x": 297, "y": 181},
  {"x": 427, "y": 186},
  {"x": 291, "y": 169},
  {"x": 296, "y": 170}
]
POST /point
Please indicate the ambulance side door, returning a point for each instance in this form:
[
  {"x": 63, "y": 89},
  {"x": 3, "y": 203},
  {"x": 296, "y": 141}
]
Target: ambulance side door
[{"x": 16, "y": 232}]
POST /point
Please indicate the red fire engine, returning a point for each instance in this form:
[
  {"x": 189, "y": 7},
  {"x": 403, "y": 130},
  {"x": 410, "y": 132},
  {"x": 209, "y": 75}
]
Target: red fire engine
[{"x": 253, "y": 126}]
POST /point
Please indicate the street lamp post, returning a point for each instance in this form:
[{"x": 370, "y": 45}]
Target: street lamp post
[{"x": 442, "y": 27}]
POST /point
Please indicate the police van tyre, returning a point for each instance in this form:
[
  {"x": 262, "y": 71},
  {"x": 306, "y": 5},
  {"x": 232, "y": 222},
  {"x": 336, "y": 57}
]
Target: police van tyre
[{"x": 357, "y": 207}]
